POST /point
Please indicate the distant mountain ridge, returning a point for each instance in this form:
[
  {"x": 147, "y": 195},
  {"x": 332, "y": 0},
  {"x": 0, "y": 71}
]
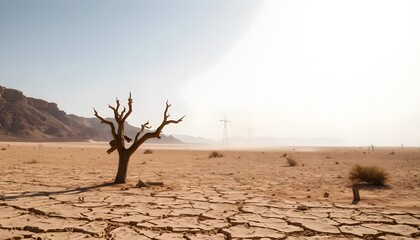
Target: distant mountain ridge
[
  {"x": 194, "y": 140},
  {"x": 30, "y": 119},
  {"x": 264, "y": 141},
  {"x": 273, "y": 141}
]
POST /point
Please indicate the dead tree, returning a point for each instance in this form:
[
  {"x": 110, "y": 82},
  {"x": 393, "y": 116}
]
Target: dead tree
[{"x": 119, "y": 139}]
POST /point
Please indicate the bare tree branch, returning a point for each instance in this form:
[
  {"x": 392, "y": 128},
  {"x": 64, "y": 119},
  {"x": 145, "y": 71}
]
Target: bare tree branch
[
  {"x": 118, "y": 104},
  {"x": 114, "y": 134},
  {"x": 114, "y": 110},
  {"x": 143, "y": 126},
  {"x": 156, "y": 133},
  {"x": 130, "y": 108},
  {"x": 127, "y": 138},
  {"x": 113, "y": 145},
  {"x": 122, "y": 113},
  {"x": 165, "y": 114}
]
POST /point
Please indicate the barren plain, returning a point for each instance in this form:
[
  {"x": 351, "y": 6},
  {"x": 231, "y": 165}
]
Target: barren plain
[{"x": 62, "y": 191}]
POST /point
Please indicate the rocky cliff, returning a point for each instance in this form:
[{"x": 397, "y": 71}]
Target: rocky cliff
[{"x": 29, "y": 119}]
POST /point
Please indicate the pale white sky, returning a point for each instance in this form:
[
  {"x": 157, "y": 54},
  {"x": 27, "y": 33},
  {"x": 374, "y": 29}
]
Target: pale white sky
[{"x": 340, "y": 69}]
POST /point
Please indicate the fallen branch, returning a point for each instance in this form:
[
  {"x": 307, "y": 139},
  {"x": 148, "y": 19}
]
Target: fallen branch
[{"x": 141, "y": 184}]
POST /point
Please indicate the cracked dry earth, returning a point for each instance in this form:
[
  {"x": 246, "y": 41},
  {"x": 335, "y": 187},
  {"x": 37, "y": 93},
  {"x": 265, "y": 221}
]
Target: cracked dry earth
[{"x": 56, "y": 191}]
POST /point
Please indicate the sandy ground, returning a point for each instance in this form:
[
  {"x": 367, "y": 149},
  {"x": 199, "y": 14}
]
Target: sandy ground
[{"x": 59, "y": 191}]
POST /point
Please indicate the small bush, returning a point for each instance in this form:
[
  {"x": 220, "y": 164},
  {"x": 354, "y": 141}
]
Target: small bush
[
  {"x": 33, "y": 161},
  {"x": 368, "y": 174},
  {"x": 216, "y": 154},
  {"x": 291, "y": 161},
  {"x": 148, "y": 151}
]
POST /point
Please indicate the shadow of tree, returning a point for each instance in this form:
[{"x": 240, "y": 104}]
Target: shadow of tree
[{"x": 48, "y": 193}]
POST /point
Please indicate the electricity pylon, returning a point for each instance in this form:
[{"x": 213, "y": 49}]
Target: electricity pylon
[{"x": 225, "y": 129}]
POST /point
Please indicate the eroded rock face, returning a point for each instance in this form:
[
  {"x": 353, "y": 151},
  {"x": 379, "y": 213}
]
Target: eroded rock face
[
  {"x": 48, "y": 107},
  {"x": 39, "y": 104},
  {"x": 31, "y": 118},
  {"x": 53, "y": 109},
  {"x": 12, "y": 95}
]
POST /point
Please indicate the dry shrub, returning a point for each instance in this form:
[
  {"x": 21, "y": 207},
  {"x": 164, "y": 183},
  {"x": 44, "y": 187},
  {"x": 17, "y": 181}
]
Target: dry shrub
[
  {"x": 81, "y": 199},
  {"x": 368, "y": 174},
  {"x": 33, "y": 161},
  {"x": 148, "y": 151},
  {"x": 215, "y": 154},
  {"x": 292, "y": 162}
]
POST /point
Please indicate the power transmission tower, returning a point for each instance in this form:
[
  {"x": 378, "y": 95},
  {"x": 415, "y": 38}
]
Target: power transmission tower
[{"x": 225, "y": 129}]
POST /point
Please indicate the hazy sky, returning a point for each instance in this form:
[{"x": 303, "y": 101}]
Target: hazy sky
[{"x": 340, "y": 69}]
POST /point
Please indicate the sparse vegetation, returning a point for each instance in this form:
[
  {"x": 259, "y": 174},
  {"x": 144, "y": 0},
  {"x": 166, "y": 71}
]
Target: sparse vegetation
[
  {"x": 148, "y": 151},
  {"x": 81, "y": 199},
  {"x": 292, "y": 162},
  {"x": 368, "y": 174},
  {"x": 33, "y": 161},
  {"x": 216, "y": 154},
  {"x": 3, "y": 149}
]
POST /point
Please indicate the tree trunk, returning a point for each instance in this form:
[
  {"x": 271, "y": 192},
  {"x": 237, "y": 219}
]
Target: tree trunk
[{"x": 124, "y": 157}]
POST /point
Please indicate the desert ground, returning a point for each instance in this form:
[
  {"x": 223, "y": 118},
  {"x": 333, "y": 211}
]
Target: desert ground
[{"x": 61, "y": 191}]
